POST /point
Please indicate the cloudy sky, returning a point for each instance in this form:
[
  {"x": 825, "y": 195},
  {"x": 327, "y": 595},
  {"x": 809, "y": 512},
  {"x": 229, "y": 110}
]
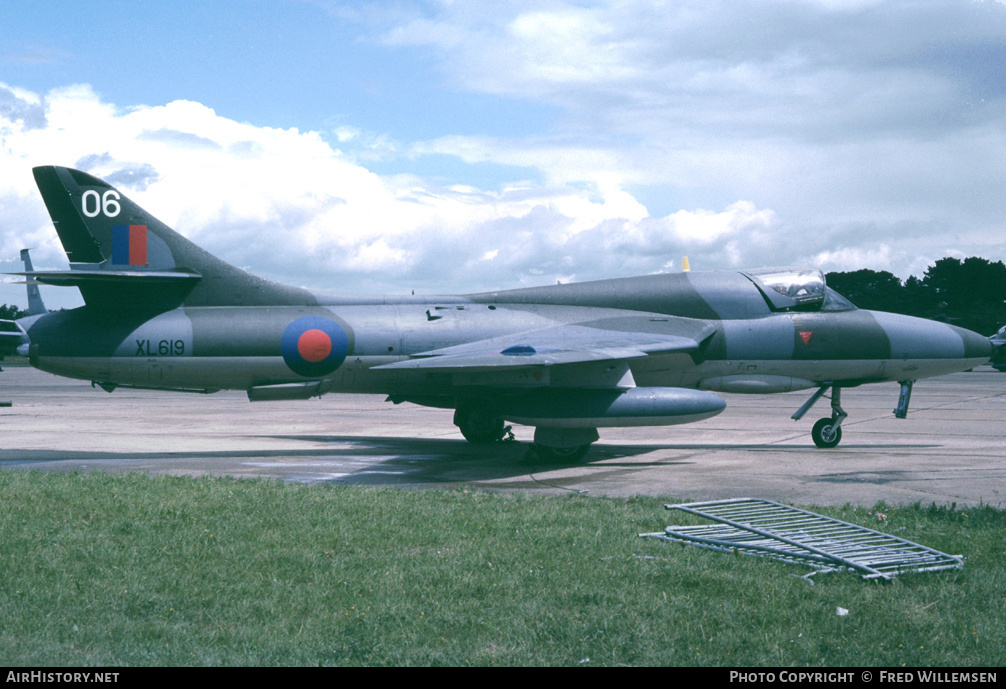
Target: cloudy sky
[{"x": 458, "y": 145}]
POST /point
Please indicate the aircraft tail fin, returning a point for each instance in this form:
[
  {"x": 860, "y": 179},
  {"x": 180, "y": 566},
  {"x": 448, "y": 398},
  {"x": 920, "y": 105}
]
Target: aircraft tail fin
[
  {"x": 122, "y": 257},
  {"x": 36, "y": 307}
]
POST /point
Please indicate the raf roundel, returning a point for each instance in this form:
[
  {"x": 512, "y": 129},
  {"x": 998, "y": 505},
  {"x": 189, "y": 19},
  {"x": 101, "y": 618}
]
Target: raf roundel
[{"x": 313, "y": 346}]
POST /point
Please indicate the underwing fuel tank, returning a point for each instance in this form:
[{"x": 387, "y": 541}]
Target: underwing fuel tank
[{"x": 579, "y": 408}]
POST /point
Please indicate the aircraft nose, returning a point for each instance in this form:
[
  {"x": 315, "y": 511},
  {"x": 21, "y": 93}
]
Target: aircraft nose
[
  {"x": 976, "y": 346},
  {"x": 921, "y": 339}
]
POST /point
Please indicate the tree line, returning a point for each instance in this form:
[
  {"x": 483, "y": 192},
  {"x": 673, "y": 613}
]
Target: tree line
[
  {"x": 969, "y": 293},
  {"x": 9, "y": 312}
]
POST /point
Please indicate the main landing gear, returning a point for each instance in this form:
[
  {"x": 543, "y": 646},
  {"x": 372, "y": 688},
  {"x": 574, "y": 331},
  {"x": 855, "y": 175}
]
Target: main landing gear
[
  {"x": 480, "y": 424},
  {"x": 562, "y": 445},
  {"x": 827, "y": 432}
]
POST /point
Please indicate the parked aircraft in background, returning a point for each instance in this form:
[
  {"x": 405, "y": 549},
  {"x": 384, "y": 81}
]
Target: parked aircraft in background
[
  {"x": 13, "y": 334},
  {"x": 159, "y": 312},
  {"x": 36, "y": 307},
  {"x": 999, "y": 342},
  {"x": 11, "y": 337}
]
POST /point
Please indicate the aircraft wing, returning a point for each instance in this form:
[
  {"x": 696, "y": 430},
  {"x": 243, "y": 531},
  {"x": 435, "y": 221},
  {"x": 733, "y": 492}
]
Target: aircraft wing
[{"x": 619, "y": 339}]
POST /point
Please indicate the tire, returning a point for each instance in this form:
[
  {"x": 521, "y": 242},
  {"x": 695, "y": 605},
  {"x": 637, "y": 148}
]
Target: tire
[
  {"x": 478, "y": 424},
  {"x": 566, "y": 455},
  {"x": 826, "y": 434}
]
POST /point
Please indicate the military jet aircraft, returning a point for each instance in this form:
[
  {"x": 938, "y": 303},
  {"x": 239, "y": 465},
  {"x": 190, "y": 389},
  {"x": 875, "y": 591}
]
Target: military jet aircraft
[{"x": 159, "y": 312}]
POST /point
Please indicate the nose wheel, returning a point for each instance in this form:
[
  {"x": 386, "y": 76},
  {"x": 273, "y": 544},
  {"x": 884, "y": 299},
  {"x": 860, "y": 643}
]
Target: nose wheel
[{"x": 827, "y": 432}]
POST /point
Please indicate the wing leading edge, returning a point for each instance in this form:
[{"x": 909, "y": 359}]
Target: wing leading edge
[{"x": 599, "y": 342}]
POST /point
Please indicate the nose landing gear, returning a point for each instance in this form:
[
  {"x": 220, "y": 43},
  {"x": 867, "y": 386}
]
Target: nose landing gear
[{"x": 827, "y": 432}]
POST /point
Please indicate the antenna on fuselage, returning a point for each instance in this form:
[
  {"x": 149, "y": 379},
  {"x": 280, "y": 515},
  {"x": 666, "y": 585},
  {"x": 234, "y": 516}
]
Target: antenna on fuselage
[{"x": 684, "y": 265}]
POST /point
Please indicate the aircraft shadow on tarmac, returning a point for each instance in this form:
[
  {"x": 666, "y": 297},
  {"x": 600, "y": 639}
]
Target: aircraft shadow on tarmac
[
  {"x": 389, "y": 460},
  {"x": 372, "y": 460},
  {"x": 394, "y": 460}
]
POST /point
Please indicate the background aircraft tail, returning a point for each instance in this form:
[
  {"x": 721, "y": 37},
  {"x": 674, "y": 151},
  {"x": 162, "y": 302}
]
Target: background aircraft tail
[
  {"x": 36, "y": 307},
  {"x": 123, "y": 258}
]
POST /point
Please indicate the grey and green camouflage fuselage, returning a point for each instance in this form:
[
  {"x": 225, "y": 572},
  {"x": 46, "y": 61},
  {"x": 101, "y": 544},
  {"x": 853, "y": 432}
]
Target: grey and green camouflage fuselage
[{"x": 162, "y": 313}]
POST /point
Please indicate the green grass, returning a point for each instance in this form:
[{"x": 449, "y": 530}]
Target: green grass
[{"x": 137, "y": 570}]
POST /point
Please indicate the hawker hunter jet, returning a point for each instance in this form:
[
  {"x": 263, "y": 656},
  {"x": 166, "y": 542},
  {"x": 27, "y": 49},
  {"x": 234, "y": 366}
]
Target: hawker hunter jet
[{"x": 161, "y": 313}]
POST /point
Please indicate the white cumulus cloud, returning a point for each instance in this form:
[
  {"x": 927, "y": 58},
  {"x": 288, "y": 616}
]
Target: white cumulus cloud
[{"x": 288, "y": 205}]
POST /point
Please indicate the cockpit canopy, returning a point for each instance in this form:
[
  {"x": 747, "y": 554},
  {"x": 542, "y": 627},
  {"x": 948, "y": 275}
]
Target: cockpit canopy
[{"x": 798, "y": 289}]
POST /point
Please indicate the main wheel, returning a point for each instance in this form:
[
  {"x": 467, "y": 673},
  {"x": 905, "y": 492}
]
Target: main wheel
[
  {"x": 479, "y": 424},
  {"x": 826, "y": 433},
  {"x": 561, "y": 454}
]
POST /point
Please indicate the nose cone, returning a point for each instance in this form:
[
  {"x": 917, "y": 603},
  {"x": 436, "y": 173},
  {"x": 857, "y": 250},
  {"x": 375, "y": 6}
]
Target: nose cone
[
  {"x": 937, "y": 348},
  {"x": 975, "y": 346}
]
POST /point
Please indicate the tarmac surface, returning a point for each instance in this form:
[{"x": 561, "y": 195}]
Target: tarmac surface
[{"x": 950, "y": 449}]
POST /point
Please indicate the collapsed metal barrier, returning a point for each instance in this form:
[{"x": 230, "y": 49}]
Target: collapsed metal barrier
[{"x": 770, "y": 529}]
